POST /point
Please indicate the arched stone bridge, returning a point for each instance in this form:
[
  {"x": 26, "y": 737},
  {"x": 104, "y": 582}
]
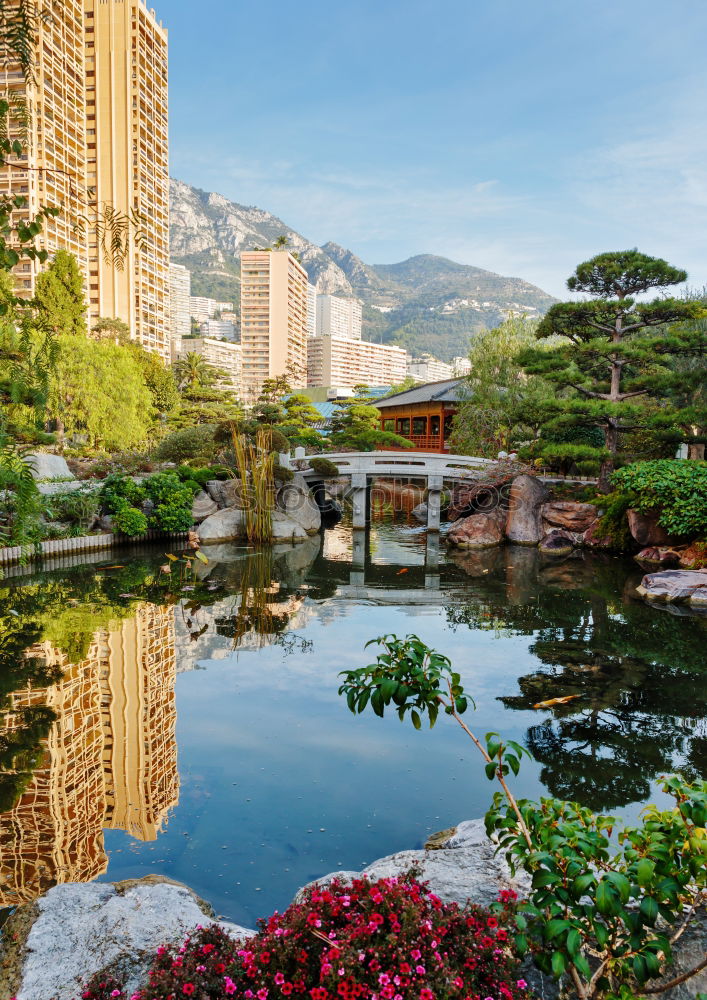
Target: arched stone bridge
[{"x": 361, "y": 467}]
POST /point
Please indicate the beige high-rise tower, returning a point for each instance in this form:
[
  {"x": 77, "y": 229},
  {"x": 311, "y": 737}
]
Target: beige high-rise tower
[
  {"x": 98, "y": 145},
  {"x": 127, "y": 168},
  {"x": 274, "y": 291},
  {"x": 52, "y": 171}
]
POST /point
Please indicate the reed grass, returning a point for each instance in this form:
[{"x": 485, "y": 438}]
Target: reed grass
[{"x": 255, "y": 463}]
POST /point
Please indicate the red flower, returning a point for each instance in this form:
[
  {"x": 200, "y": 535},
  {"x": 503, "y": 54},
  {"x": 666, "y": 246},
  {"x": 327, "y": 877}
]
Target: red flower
[{"x": 189, "y": 988}]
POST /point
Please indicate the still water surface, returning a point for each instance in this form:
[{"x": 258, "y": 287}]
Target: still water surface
[{"x": 191, "y": 727}]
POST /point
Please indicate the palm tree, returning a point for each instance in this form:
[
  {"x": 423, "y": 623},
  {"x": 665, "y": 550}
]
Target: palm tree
[
  {"x": 192, "y": 371},
  {"x": 280, "y": 243}
]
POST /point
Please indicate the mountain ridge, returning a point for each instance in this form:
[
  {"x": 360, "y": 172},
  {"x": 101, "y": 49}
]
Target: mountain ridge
[{"x": 425, "y": 303}]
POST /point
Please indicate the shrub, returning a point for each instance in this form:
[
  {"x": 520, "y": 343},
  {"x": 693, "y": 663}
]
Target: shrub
[
  {"x": 189, "y": 443},
  {"x": 79, "y": 508},
  {"x": 279, "y": 443},
  {"x": 130, "y": 521},
  {"x": 386, "y": 939},
  {"x": 200, "y": 476},
  {"x": 117, "y": 490},
  {"x": 282, "y": 474},
  {"x": 676, "y": 489},
  {"x": 323, "y": 467},
  {"x": 173, "y": 501}
]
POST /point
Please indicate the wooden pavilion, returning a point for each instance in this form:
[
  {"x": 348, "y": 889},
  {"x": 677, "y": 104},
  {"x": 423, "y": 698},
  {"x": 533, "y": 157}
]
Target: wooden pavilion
[{"x": 423, "y": 415}]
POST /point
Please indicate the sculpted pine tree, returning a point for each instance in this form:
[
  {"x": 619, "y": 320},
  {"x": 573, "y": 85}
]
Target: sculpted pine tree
[{"x": 615, "y": 349}]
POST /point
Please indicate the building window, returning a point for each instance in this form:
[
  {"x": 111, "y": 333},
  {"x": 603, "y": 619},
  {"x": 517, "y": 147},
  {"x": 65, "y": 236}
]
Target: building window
[
  {"x": 419, "y": 426},
  {"x": 389, "y": 425},
  {"x": 404, "y": 426},
  {"x": 434, "y": 426}
]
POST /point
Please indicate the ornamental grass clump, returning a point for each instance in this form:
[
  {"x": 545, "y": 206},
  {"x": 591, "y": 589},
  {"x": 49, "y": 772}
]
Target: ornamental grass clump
[{"x": 385, "y": 940}]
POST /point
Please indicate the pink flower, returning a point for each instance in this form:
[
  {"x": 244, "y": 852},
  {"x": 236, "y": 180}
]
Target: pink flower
[
  {"x": 415, "y": 954},
  {"x": 115, "y": 993},
  {"x": 229, "y": 985},
  {"x": 279, "y": 978},
  {"x": 420, "y": 970},
  {"x": 521, "y": 984}
]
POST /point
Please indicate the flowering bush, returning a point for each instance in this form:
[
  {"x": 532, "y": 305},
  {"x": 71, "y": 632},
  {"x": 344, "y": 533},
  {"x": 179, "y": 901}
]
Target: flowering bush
[{"x": 384, "y": 940}]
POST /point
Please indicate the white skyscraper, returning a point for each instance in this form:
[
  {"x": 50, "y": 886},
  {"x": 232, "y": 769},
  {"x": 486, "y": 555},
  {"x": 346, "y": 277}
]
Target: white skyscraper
[
  {"x": 311, "y": 310},
  {"x": 337, "y": 317}
]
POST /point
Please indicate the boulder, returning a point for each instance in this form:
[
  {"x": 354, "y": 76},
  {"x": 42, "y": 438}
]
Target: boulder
[
  {"x": 203, "y": 507},
  {"x": 224, "y": 526},
  {"x": 45, "y": 466},
  {"x": 480, "y": 531},
  {"x": 50, "y": 948},
  {"x": 658, "y": 556},
  {"x": 645, "y": 529},
  {"x": 296, "y": 515},
  {"x": 694, "y": 556},
  {"x": 568, "y": 514},
  {"x": 463, "y": 866},
  {"x": 673, "y": 585},
  {"x": 558, "y": 542},
  {"x": 225, "y": 493},
  {"x": 524, "y": 524}
]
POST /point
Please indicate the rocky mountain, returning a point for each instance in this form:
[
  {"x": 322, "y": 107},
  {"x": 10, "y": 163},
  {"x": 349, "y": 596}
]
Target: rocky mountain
[{"x": 426, "y": 303}]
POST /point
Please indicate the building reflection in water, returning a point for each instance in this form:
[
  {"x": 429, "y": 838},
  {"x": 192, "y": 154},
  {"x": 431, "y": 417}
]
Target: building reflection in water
[{"x": 110, "y": 759}]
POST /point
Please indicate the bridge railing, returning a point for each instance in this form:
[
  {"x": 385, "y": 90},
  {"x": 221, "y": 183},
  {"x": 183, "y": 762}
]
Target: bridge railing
[{"x": 398, "y": 463}]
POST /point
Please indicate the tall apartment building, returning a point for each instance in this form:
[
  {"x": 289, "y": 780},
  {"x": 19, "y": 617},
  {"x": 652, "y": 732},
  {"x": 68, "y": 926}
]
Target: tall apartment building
[
  {"x": 98, "y": 144},
  {"x": 127, "y": 168},
  {"x": 179, "y": 315},
  {"x": 338, "y": 317},
  {"x": 218, "y": 329},
  {"x": 222, "y": 354},
  {"x": 339, "y": 361},
  {"x": 273, "y": 319},
  {"x": 52, "y": 171},
  {"x": 428, "y": 369}
]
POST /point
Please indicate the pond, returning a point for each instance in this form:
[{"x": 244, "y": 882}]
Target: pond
[{"x": 187, "y": 723}]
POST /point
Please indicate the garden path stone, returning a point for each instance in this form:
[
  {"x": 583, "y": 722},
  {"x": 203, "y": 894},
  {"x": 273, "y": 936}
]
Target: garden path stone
[{"x": 45, "y": 466}]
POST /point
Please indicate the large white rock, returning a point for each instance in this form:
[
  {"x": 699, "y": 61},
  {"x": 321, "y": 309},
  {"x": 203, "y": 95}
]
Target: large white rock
[
  {"x": 223, "y": 526},
  {"x": 465, "y": 866},
  {"x": 45, "y": 466},
  {"x": 296, "y": 515},
  {"x": 80, "y": 930}
]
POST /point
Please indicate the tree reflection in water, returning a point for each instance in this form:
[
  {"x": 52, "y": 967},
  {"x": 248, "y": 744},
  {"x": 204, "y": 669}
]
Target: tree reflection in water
[{"x": 632, "y": 678}]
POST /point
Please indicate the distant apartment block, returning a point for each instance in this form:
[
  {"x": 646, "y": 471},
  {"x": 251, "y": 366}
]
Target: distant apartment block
[
  {"x": 461, "y": 366},
  {"x": 179, "y": 316},
  {"x": 202, "y": 308},
  {"x": 341, "y": 361},
  {"x": 311, "y": 310},
  {"x": 222, "y": 354},
  {"x": 126, "y": 123},
  {"x": 274, "y": 297},
  {"x": 428, "y": 369},
  {"x": 218, "y": 329},
  {"x": 338, "y": 317}
]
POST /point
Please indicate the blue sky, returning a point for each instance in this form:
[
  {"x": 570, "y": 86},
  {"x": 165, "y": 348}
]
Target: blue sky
[{"x": 521, "y": 137}]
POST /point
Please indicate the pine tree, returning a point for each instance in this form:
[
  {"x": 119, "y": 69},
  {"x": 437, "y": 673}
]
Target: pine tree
[
  {"x": 614, "y": 351},
  {"x": 356, "y": 425}
]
